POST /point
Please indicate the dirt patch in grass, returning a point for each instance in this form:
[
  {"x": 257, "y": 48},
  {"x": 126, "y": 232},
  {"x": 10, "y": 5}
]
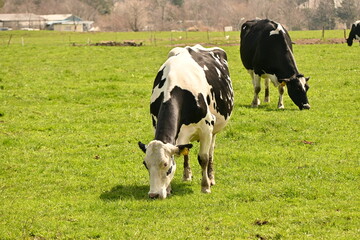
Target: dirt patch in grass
[{"x": 113, "y": 44}]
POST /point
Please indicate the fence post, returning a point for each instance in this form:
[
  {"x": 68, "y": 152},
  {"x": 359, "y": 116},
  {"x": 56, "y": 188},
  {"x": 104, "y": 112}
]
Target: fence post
[
  {"x": 9, "y": 39},
  {"x": 171, "y": 38},
  {"x": 323, "y": 32}
]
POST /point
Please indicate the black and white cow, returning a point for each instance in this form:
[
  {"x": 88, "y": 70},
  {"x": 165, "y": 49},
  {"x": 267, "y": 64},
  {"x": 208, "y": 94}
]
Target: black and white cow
[
  {"x": 354, "y": 33},
  {"x": 192, "y": 100},
  {"x": 266, "y": 52}
]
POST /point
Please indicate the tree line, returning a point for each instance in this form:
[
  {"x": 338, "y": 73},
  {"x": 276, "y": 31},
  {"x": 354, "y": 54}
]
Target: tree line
[{"x": 193, "y": 15}]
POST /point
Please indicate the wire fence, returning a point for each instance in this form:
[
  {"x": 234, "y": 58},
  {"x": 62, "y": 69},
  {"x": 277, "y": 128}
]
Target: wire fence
[{"x": 28, "y": 38}]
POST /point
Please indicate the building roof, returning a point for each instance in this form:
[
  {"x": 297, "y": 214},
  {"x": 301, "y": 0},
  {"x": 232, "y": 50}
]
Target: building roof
[
  {"x": 20, "y": 17},
  {"x": 69, "y": 22},
  {"x": 61, "y": 17}
]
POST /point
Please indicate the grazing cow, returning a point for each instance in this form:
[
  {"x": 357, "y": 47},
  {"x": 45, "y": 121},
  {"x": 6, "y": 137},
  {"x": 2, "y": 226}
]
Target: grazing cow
[
  {"x": 192, "y": 100},
  {"x": 354, "y": 33},
  {"x": 266, "y": 52}
]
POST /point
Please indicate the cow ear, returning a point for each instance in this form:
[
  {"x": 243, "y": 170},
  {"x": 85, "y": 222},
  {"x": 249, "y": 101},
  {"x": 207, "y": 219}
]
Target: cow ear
[
  {"x": 142, "y": 146},
  {"x": 184, "y": 149},
  {"x": 307, "y": 79}
]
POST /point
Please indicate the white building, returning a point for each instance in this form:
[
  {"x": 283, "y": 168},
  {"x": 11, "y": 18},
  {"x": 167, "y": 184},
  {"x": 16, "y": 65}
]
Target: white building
[{"x": 57, "y": 22}]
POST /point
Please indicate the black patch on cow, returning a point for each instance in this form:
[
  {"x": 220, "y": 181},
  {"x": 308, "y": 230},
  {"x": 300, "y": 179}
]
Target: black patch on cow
[
  {"x": 158, "y": 79},
  {"x": 207, "y": 122},
  {"x": 208, "y": 100},
  {"x": 220, "y": 84},
  {"x": 162, "y": 82},
  {"x": 155, "y": 107},
  {"x": 181, "y": 108}
]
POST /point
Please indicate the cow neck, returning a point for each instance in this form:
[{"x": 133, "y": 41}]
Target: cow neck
[{"x": 168, "y": 122}]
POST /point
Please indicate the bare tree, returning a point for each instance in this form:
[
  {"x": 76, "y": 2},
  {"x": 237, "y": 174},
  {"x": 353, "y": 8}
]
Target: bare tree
[
  {"x": 324, "y": 16},
  {"x": 348, "y": 12},
  {"x": 134, "y": 13}
]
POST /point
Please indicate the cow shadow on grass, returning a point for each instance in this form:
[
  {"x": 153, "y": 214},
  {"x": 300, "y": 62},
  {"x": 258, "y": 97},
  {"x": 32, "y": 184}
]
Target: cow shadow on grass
[
  {"x": 140, "y": 192},
  {"x": 267, "y": 107}
]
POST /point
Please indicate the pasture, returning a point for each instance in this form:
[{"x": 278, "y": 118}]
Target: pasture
[{"x": 71, "y": 117}]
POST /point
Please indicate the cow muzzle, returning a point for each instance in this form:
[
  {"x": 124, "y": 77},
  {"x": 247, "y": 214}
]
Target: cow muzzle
[
  {"x": 157, "y": 196},
  {"x": 153, "y": 195},
  {"x": 306, "y": 106}
]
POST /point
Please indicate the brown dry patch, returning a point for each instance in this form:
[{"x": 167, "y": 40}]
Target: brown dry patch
[{"x": 113, "y": 44}]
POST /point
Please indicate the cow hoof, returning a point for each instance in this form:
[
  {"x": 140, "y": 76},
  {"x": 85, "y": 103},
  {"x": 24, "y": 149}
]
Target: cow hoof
[
  {"x": 255, "y": 104},
  {"x": 212, "y": 182},
  {"x": 187, "y": 179},
  {"x": 281, "y": 107},
  {"x": 267, "y": 100},
  {"x": 206, "y": 190}
]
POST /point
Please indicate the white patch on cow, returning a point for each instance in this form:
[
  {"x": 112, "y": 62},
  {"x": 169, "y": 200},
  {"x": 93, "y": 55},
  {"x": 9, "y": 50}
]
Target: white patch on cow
[
  {"x": 225, "y": 62},
  {"x": 221, "y": 97},
  {"x": 205, "y": 68},
  {"x": 277, "y": 30},
  {"x": 216, "y": 58},
  {"x": 218, "y": 71},
  {"x": 303, "y": 82},
  {"x": 357, "y": 22},
  {"x": 357, "y": 37},
  {"x": 197, "y": 131},
  {"x": 186, "y": 80},
  {"x": 272, "y": 77},
  {"x": 176, "y": 51}
]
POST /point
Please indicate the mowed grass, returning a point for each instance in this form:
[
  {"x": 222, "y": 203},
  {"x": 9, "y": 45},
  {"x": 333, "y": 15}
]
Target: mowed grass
[{"x": 71, "y": 117}]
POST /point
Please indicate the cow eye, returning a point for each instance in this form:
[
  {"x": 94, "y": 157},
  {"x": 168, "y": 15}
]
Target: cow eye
[
  {"x": 169, "y": 171},
  {"x": 145, "y": 165}
]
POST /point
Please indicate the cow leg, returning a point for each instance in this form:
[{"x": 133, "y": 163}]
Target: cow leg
[
  {"x": 281, "y": 100},
  {"x": 211, "y": 173},
  {"x": 205, "y": 182},
  {"x": 267, "y": 91},
  {"x": 257, "y": 88},
  {"x": 203, "y": 159},
  {"x": 187, "y": 170},
  {"x": 168, "y": 190}
]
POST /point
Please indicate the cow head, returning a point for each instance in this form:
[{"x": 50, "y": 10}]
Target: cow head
[
  {"x": 349, "y": 41},
  {"x": 297, "y": 88},
  {"x": 159, "y": 161}
]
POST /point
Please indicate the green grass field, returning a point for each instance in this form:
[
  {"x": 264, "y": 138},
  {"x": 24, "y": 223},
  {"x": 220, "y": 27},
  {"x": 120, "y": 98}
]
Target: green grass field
[{"x": 71, "y": 117}]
